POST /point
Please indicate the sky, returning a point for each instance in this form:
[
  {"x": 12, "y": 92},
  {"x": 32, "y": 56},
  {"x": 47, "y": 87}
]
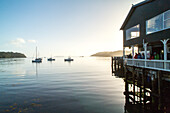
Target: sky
[{"x": 62, "y": 27}]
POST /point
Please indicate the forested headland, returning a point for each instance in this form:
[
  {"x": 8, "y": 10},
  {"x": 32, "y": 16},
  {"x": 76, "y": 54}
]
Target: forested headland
[
  {"x": 109, "y": 53},
  {"x": 11, "y": 55}
]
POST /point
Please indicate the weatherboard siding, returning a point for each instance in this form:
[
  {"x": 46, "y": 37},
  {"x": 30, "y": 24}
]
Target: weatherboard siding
[{"x": 140, "y": 15}]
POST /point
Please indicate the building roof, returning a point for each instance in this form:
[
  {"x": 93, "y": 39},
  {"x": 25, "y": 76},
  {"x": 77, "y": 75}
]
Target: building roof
[{"x": 132, "y": 10}]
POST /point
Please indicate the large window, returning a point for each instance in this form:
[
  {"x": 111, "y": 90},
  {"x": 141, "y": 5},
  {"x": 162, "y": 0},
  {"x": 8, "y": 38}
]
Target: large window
[
  {"x": 158, "y": 23},
  {"x": 133, "y": 32},
  {"x": 167, "y": 19}
]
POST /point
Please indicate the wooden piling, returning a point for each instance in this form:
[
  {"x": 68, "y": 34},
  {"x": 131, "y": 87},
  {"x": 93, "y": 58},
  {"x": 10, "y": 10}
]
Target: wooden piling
[
  {"x": 143, "y": 84},
  {"x": 159, "y": 90},
  {"x": 126, "y": 87},
  {"x": 115, "y": 64},
  {"x": 133, "y": 75},
  {"x": 118, "y": 64},
  {"x": 139, "y": 85},
  {"x": 153, "y": 94},
  {"x": 112, "y": 64}
]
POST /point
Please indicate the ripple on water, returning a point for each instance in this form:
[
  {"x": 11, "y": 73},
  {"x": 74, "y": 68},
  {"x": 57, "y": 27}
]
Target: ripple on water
[{"x": 84, "y": 86}]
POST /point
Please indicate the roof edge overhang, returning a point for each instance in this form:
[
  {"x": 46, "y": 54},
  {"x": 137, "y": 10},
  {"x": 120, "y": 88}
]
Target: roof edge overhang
[{"x": 132, "y": 10}]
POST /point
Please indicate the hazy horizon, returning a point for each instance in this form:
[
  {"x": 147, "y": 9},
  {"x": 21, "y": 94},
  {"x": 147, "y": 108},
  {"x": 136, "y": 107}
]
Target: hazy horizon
[{"x": 62, "y": 27}]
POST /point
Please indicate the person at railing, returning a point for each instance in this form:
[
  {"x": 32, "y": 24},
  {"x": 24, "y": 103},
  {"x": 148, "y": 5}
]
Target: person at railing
[
  {"x": 139, "y": 56},
  {"x": 151, "y": 57},
  {"x": 129, "y": 56},
  {"x": 143, "y": 56},
  {"x": 136, "y": 56},
  {"x": 157, "y": 56}
]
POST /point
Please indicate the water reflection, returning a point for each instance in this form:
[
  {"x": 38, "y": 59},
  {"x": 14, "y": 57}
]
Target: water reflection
[
  {"x": 37, "y": 70},
  {"x": 86, "y": 86},
  {"x": 11, "y": 61}
]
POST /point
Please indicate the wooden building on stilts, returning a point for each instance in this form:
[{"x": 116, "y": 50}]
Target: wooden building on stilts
[{"x": 146, "y": 57}]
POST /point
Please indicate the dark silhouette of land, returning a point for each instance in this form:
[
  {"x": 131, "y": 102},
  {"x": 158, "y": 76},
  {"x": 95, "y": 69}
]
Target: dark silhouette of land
[
  {"x": 109, "y": 53},
  {"x": 11, "y": 55}
]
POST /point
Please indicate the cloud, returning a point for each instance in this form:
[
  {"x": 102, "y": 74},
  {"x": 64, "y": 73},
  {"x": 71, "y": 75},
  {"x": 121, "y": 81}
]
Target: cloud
[
  {"x": 31, "y": 41},
  {"x": 18, "y": 42}
]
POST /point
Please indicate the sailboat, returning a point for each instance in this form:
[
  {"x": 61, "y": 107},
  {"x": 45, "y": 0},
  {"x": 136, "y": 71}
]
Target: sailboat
[
  {"x": 37, "y": 60},
  {"x": 51, "y": 59},
  {"x": 68, "y": 59}
]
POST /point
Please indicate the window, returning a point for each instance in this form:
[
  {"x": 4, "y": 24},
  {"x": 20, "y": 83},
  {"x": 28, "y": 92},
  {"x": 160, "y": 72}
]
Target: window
[
  {"x": 158, "y": 23},
  {"x": 167, "y": 19},
  {"x": 133, "y": 32}
]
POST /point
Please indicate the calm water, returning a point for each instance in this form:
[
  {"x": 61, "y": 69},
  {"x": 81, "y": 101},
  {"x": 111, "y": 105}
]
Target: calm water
[{"x": 85, "y": 85}]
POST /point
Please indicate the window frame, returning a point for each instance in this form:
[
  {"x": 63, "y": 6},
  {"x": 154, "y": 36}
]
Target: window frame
[
  {"x": 129, "y": 29},
  {"x": 165, "y": 20},
  {"x": 163, "y": 28}
]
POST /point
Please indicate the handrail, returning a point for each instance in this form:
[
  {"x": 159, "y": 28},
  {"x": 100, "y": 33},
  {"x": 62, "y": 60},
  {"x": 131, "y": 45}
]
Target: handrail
[
  {"x": 147, "y": 60},
  {"x": 151, "y": 64}
]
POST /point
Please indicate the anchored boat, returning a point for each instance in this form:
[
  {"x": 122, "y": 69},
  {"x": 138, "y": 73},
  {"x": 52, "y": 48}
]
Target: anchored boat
[
  {"x": 69, "y": 59},
  {"x": 51, "y": 59},
  {"x": 37, "y": 60}
]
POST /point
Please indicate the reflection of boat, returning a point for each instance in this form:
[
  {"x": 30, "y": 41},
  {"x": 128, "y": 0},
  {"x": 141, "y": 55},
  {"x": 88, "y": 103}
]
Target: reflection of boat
[
  {"x": 37, "y": 60},
  {"x": 68, "y": 59},
  {"x": 51, "y": 59}
]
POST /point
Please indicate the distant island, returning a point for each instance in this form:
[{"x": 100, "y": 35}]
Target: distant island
[
  {"x": 11, "y": 55},
  {"x": 109, "y": 53}
]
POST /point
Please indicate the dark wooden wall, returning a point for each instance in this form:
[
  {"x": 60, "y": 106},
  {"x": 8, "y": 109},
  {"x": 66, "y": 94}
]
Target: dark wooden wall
[{"x": 140, "y": 15}]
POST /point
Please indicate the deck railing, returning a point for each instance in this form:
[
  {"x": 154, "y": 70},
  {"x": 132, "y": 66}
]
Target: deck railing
[{"x": 154, "y": 64}]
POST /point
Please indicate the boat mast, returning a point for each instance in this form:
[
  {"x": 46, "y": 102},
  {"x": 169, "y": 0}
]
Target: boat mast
[{"x": 36, "y": 52}]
